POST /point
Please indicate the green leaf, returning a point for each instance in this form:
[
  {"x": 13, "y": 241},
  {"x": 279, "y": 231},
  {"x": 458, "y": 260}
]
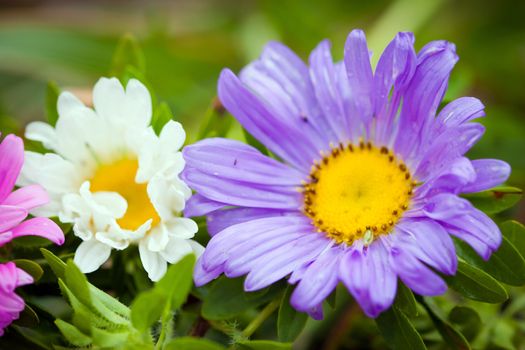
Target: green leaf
[
  {"x": 147, "y": 308},
  {"x": 82, "y": 315},
  {"x": 27, "y": 318},
  {"x": 397, "y": 330},
  {"x": 496, "y": 199},
  {"x": 189, "y": 343},
  {"x": 226, "y": 298},
  {"x": 264, "y": 345},
  {"x": 57, "y": 265},
  {"x": 252, "y": 141},
  {"x": 177, "y": 282},
  {"x": 405, "y": 300},
  {"x": 77, "y": 283},
  {"x": 453, "y": 338},
  {"x": 332, "y": 299},
  {"x": 111, "y": 303},
  {"x": 72, "y": 334},
  {"x": 161, "y": 116},
  {"x": 290, "y": 322},
  {"x": 506, "y": 264},
  {"x": 515, "y": 233},
  {"x": 108, "y": 339},
  {"x": 217, "y": 122},
  {"x": 475, "y": 284},
  {"x": 31, "y": 242},
  {"x": 467, "y": 320},
  {"x": 52, "y": 93},
  {"x": 30, "y": 267},
  {"x": 128, "y": 54}
]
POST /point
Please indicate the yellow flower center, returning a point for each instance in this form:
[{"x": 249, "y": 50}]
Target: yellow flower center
[
  {"x": 357, "y": 191},
  {"x": 120, "y": 177}
]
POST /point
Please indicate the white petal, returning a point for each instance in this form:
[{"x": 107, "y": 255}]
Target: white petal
[
  {"x": 172, "y": 136},
  {"x": 153, "y": 263},
  {"x": 138, "y": 103},
  {"x": 112, "y": 239},
  {"x": 43, "y": 132},
  {"x": 182, "y": 228},
  {"x": 55, "y": 174},
  {"x": 176, "y": 249},
  {"x": 81, "y": 229},
  {"x": 68, "y": 104},
  {"x": 90, "y": 255},
  {"x": 108, "y": 97},
  {"x": 198, "y": 249},
  {"x": 114, "y": 203},
  {"x": 157, "y": 239}
]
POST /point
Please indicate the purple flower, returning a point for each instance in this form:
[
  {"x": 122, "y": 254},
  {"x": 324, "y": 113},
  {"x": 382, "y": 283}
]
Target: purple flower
[
  {"x": 368, "y": 187},
  {"x": 14, "y": 208}
]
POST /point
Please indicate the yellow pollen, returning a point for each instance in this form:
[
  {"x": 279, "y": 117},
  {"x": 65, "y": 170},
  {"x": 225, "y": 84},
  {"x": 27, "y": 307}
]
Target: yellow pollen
[
  {"x": 120, "y": 177},
  {"x": 357, "y": 191}
]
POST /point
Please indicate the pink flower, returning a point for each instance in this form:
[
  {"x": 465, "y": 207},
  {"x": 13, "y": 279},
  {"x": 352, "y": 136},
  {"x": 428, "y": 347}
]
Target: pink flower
[
  {"x": 14, "y": 209},
  {"x": 11, "y": 304}
]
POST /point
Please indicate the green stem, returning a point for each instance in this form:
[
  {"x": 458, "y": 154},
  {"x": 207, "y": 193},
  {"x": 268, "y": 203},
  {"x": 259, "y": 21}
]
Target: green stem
[
  {"x": 263, "y": 315},
  {"x": 165, "y": 323}
]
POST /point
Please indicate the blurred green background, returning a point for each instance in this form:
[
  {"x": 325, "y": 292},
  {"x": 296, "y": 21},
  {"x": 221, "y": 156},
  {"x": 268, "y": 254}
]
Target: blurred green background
[{"x": 187, "y": 43}]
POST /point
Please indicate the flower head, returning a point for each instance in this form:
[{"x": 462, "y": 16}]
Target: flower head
[
  {"x": 11, "y": 277},
  {"x": 368, "y": 187},
  {"x": 14, "y": 209},
  {"x": 113, "y": 178}
]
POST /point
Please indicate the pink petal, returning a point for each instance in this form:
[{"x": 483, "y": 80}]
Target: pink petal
[
  {"x": 11, "y": 161},
  {"x": 5, "y": 237},
  {"x": 42, "y": 227},
  {"x": 8, "y": 277},
  {"x": 11, "y": 216},
  {"x": 28, "y": 197},
  {"x": 23, "y": 278}
]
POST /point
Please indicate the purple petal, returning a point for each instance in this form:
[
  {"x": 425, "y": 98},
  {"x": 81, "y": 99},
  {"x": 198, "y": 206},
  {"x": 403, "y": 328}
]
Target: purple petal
[
  {"x": 415, "y": 274},
  {"x": 450, "y": 145},
  {"x": 476, "y": 229},
  {"x": 247, "y": 255},
  {"x": 460, "y": 111},
  {"x": 395, "y": 68},
  {"x": 219, "y": 247},
  {"x": 284, "y": 260},
  {"x": 359, "y": 71},
  {"x": 199, "y": 205},
  {"x": 42, "y": 227},
  {"x": 319, "y": 280},
  {"x": 429, "y": 242},
  {"x": 28, "y": 197},
  {"x": 489, "y": 173},
  {"x": 11, "y": 216},
  {"x": 451, "y": 178},
  {"x": 11, "y": 161},
  {"x": 220, "y": 219},
  {"x": 201, "y": 276},
  {"x": 369, "y": 277},
  {"x": 323, "y": 75},
  {"x": 234, "y": 160},
  {"x": 424, "y": 93},
  {"x": 445, "y": 206},
  {"x": 296, "y": 147},
  {"x": 281, "y": 79},
  {"x": 232, "y": 192}
]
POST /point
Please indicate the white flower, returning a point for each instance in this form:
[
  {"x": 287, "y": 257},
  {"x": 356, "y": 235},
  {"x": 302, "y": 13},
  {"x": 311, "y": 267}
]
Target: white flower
[{"x": 113, "y": 178}]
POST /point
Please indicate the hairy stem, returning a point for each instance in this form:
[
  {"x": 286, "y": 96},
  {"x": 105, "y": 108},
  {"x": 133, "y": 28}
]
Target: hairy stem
[{"x": 261, "y": 317}]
